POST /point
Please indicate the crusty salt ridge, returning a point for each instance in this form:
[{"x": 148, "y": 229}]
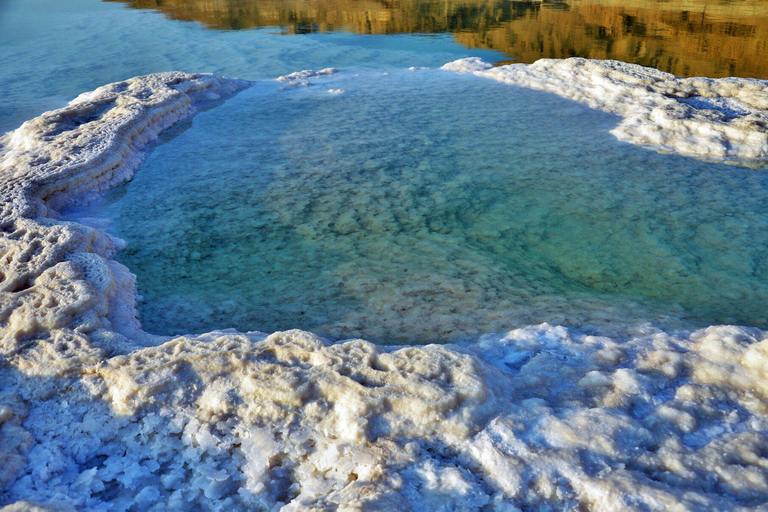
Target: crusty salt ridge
[
  {"x": 303, "y": 78},
  {"x": 541, "y": 417},
  {"x": 722, "y": 119}
]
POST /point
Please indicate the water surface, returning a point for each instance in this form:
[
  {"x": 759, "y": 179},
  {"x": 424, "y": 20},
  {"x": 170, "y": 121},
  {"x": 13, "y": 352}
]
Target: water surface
[
  {"x": 51, "y": 51},
  {"x": 426, "y": 206},
  {"x": 416, "y": 206},
  {"x": 712, "y": 38}
]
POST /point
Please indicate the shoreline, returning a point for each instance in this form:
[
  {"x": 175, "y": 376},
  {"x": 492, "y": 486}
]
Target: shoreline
[{"x": 318, "y": 424}]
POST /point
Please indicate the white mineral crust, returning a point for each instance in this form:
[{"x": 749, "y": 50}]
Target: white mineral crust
[
  {"x": 716, "y": 119},
  {"x": 97, "y": 415}
]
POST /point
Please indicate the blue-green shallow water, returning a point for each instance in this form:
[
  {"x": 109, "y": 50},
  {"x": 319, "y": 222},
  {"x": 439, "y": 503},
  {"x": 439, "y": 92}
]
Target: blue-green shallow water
[
  {"x": 427, "y": 206},
  {"x": 52, "y": 50}
]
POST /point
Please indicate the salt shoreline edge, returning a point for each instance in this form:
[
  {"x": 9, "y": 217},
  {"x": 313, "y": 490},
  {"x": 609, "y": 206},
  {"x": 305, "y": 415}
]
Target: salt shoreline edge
[
  {"x": 721, "y": 120},
  {"x": 92, "y": 408}
]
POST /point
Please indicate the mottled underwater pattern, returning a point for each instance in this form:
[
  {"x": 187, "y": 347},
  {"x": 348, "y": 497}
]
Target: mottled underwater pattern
[
  {"x": 409, "y": 206},
  {"x": 422, "y": 206}
]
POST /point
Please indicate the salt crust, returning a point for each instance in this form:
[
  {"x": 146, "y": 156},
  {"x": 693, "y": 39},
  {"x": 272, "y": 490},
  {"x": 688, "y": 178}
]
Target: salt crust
[
  {"x": 716, "y": 119},
  {"x": 302, "y": 78},
  {"x": 95, "y": 414}
]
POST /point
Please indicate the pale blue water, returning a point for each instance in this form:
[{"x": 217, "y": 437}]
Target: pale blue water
[
  {"x": 52, "y": 50},
  {"x": 427, "y": 206}
]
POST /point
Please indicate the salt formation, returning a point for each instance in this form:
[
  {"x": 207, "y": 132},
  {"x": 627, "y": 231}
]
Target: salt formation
[
  {"x": 722, "y": 119},
  {"x": 303, "y": 78},
  {"x": 97, "y": 415}
]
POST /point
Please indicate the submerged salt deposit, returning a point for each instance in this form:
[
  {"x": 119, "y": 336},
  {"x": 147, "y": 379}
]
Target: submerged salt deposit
[
  {"x": 95, "y": 414},
  {"x": 724, "y": 119}
]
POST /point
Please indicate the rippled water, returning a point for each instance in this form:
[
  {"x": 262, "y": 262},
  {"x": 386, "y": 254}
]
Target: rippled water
[{"x": 426, "y": 206}]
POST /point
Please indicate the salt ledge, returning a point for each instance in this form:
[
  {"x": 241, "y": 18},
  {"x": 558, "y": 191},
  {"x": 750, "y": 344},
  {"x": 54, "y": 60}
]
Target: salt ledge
[
  {"x": 716, "y": 119},
  {"x": 97, "y": 415}
]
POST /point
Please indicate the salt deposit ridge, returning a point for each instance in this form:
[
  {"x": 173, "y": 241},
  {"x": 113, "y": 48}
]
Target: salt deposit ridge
[
  {"x": 96, "y": 414},
  {"x": 725, "y": 119}
]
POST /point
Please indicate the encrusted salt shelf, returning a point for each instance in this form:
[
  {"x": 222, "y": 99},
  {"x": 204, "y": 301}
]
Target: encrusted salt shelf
[
  {"x": 95, "y": 414},
  {"x": 724, "y": 119}
]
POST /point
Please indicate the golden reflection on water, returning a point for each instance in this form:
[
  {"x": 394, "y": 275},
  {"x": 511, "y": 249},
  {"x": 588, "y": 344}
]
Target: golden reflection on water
[{"x": 713, "y": 38}]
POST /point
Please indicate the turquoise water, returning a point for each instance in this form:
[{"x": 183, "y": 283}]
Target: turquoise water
[
  {"x": 52, "y": 50},
  {"x": 427, "y": 206},
  {"x": 417, "y": 206}
]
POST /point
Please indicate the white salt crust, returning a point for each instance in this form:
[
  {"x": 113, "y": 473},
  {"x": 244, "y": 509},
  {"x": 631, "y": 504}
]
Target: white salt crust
[
  {"x": 715, "y": 119},
  {"x": 303, "y": 78},
  {"x": 97, "y": 415}
]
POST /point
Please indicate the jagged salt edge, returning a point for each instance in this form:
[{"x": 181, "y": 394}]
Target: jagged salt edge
[
  {"x": 475, "y": 393},
  {"x": 650, "y": 103},
  {"x": 79, "y": 152},
  {"x": 35, "y": 161}
]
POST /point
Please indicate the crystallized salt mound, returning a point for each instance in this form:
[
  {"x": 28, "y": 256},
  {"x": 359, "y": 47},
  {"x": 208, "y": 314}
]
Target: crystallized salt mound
[
  {"x": 539, "y": 418},
  {"x": 724, "y": 119},
  {"x": 97, "y": 415},
  {"x": 56, "y": 280}
]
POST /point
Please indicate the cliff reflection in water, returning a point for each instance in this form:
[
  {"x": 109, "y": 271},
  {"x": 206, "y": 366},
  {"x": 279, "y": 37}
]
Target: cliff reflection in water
[{"x": 713, "y": 38}]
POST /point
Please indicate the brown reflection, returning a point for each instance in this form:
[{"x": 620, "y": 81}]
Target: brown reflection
[{"x": 686, "y": 37}]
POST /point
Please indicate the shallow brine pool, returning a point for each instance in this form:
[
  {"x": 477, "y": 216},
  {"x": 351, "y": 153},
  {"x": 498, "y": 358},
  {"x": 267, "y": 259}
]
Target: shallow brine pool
[
  {"x": 421, "y": 206},
  {"x": 400, "y": 206}
]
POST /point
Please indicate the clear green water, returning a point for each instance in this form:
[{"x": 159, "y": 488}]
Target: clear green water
[{"x": 426, "y": 206}]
